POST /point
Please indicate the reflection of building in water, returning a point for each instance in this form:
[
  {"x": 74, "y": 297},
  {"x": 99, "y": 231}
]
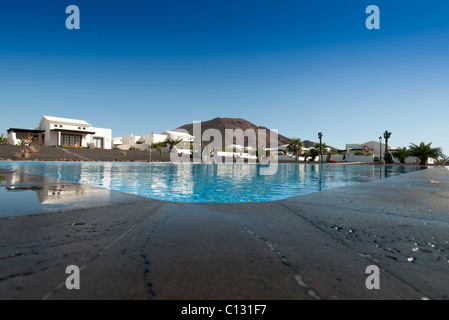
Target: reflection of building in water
[
  {"x": 96, "y": 175},
  {"x": 50, "y": 193},
  {"x": 60, "y": 194},
  {"x": 56, "y": 194},
  {"x": 18, "y": 179}
]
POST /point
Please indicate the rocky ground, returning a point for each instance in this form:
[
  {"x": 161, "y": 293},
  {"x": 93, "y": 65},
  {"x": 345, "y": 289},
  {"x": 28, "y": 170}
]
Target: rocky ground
[{"x": 44, "y": 153}]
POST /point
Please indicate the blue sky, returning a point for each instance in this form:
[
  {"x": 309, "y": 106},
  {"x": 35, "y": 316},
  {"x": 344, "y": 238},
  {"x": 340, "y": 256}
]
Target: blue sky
[{"x": 297, "y": 66}]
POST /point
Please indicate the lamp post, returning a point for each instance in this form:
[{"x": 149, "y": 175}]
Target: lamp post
[
  {"x": 380, "y": 150},
  {"x": 320, "y": 136}
]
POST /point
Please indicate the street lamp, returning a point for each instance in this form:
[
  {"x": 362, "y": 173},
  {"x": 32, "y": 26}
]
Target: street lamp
[
  {"x": 320, "y": 136},
  {"x": 380, "y": 150}
]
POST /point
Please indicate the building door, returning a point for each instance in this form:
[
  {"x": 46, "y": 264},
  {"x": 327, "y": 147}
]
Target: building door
[{"x": 98, "y": 143}]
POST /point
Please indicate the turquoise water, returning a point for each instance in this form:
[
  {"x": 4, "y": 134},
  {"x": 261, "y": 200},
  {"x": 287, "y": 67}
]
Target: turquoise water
[{"x": 209, "y": 182}]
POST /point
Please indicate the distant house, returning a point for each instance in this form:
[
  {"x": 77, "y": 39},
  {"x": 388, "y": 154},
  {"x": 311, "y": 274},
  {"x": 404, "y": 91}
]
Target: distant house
[
  {"x": 175, "y": 135},
  {"x": 143, "y": 142},
  {"x": 54, "y": 131},
  {"x": 374, "y": 146}
]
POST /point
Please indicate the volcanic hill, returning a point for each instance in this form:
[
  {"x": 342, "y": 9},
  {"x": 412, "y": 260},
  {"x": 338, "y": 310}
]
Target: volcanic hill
[{"x": 221, "y": 124}]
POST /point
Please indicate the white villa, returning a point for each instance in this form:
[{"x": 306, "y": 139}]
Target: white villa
[
  {"x": 374, "y": 146},
  {"x": 54, "y": 131},
  {"x": 143, "y": 142}
]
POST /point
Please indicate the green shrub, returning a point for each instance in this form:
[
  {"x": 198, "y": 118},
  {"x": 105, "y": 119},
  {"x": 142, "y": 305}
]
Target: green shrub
[{"x": 3, "y": 139}]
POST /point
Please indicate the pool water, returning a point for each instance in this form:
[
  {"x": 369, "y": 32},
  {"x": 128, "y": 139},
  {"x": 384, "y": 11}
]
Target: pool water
[{"x": 222, "y": 183}]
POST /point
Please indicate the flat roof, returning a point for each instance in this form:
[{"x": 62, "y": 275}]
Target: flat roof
[
  {"x": 24, "y": 130},
  {"x": 73, "y": 131}
]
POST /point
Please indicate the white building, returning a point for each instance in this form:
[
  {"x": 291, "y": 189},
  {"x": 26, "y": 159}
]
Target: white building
[
  {"x": 54, "y": 131},
  {"x": 175, "y": 135},
  {"x": 374, "y": 146},
  {"x": 143, "y": 142}
]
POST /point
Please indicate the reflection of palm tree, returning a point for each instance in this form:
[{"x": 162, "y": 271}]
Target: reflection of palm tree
[
  {"x": 295, "y": 146},
  {"x": 424, "y": 151}
]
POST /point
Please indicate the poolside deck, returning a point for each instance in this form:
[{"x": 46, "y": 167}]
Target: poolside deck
[{"x": 315, "y": 246}]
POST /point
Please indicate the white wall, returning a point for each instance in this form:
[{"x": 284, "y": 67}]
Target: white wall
[
  {"x": 12, "y": 139},
  {"x": 130, "y": 139},
  {"x": 351, "y": 157},
  {"x": 105, "y": 134},
  {"x": 140, "y": 142},
  {"x": 338, "y": 158},
  {"x": 374, "y": 145},
  {"x": 153, "y": 138},
  {"x": 51, "y": 138},
  {"x": 286, "y": 157},
  {"x": 184, "y": 136}
]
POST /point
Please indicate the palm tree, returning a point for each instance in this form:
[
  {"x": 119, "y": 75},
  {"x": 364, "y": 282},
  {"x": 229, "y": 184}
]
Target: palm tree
[
  {"x": 314, "y": 153},
  {"x": 424, "y": 151},
  {"x": 334, "y": 151},
  {"x": 158, "y": 146},
  {"x": 197, "y": 149},
  {"x": 324, "y": 148},
  {"x": 172, "y": 142},
  {"x": 323, "y": 145},
  {"x": 306, "y": 155},
  {"x": 401, "y": 154},
  {"x": 295, "y": 146},
  {"x": 261, "y": 152}
]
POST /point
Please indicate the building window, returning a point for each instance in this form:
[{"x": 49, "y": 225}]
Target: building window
[{"x": 70, "y": 140}]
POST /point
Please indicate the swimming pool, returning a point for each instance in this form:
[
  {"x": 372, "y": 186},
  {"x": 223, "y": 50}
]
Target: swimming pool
[{"x": 222, "y": 183}]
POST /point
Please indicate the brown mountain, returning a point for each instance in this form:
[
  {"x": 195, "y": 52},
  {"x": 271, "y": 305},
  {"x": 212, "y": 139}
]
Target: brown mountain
[
  {"x": 221, "y": 124},
  {"x": 308, "y": 144}
]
